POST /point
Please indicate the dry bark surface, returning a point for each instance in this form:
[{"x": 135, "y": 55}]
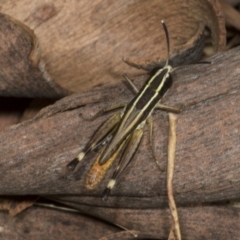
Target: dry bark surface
[
  {"x": 207, "y": 157},
  {"x": 207, "y": 138},
  {"x": 196, "y": 223},
  {"x": 58, "y": 58},
  {"x": 43, "y": 223}
]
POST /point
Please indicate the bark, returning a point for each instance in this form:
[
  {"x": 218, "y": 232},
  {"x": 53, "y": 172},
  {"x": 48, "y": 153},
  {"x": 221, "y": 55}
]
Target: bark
[
  {"x": 43, "y": 223},
  {"x": 197, "y": 222},
  {"x": 23, "y": 74},
  {"x": 34, "y": 154}
]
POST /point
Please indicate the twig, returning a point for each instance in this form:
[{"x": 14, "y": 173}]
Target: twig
[{"x": 175, "y": 231}]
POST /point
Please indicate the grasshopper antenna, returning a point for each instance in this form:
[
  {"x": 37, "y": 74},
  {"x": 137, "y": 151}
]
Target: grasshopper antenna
[
  {"x": 167, "y": 39},
  {"x": 168, "y": 47}
]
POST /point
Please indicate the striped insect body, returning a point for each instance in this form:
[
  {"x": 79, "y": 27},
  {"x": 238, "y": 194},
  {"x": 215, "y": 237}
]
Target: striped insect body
[{"x": 121, "y": 134}]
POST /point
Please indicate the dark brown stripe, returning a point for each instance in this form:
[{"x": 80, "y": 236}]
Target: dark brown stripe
[
  {"x": 158, "y": 79},
  {"x": 145, "y": 98}
]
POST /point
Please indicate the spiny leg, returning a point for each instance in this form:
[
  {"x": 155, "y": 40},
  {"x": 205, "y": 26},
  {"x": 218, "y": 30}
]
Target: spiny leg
[
  {"x": 135, "y": 89},
  {"x": 168, "y": 108},
  {"x": 129, "y": 150},
  {"x": 105, "y": 110},
  {"x": 151, "y": 141},
  {"x": 117, "y": 106},
  {"x": 98, "y": 137},
  {"x": 102, "y": 136}
]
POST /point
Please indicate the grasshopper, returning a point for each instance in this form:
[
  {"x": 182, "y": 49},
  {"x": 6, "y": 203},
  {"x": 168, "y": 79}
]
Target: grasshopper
[{"x": 120, "y": 135}]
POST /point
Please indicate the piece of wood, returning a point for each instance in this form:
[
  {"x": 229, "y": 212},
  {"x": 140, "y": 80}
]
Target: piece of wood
[
  {"x": 199, "y": 222},
  {"x": 34, "y": 154},
  {"x": 44, "y": 223},
  {"x": 82, "y": 42},
  {"x": 23, "y": 73}
]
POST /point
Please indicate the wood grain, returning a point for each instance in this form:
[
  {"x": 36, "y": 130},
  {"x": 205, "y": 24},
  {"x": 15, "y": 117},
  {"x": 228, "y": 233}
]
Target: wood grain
[
  {"x": 82, "y": 43},
  {"x": 199, "y": 222},
  {"x": 23, "y": 73},
  {"x": 43, "y": 223}
]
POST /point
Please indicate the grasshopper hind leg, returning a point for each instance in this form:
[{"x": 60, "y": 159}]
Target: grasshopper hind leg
[
  {"x": 151, "y": 142},
  {"x": 106, "y": 110},
  {"x": 101, "y": 137},
  {"x": 73, "y": 164},
  {"x": 129, "y": 149}
]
